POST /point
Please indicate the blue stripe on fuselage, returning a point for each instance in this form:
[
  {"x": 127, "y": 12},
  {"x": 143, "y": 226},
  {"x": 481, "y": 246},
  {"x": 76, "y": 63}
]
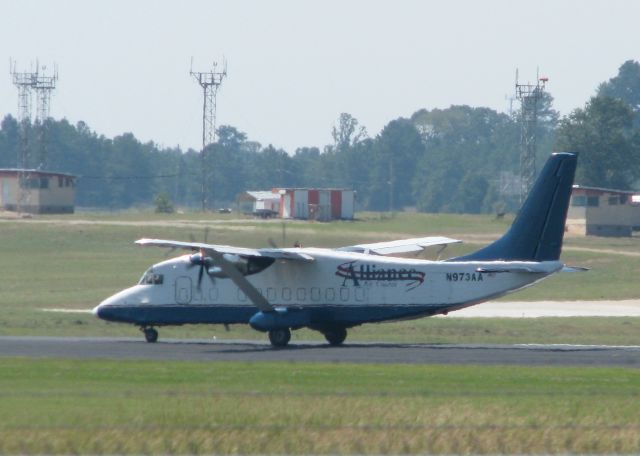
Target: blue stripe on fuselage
[{"x": 320, "y": 315}]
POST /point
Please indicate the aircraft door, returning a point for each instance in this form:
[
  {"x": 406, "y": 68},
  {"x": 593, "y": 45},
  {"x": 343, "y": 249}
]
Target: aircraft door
[{"x": 183, "y": 290}]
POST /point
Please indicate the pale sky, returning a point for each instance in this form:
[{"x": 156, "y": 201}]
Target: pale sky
[{"x": 295, "y": 65}]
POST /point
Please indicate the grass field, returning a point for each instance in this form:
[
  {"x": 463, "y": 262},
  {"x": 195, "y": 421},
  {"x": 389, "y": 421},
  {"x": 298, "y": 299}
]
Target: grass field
[
  {"x": 141, "y": 407},
  {"x": 57, "y": 406},
  {"x": 75, "y": 261}
]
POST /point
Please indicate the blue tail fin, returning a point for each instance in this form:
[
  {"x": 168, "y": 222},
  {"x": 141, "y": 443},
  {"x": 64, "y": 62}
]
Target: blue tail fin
[{"x": 536, "y": 233}]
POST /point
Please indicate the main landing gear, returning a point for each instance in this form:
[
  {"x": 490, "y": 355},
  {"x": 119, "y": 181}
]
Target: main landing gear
[
  {"x": 280, "y": 337},
  {"x": 150, "y": 334},
  {"x": 335, "y": 336}
]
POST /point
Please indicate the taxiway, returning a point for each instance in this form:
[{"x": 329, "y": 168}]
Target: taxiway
[{"x": 252, "y": 351}]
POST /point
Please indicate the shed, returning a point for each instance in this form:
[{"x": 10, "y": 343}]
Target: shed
[
  {"x": 260, "y": 203},
  {"x": 322, "y": 204},
  {"x": 599, "y": 211},
  {"x": 37, "y": 191}
]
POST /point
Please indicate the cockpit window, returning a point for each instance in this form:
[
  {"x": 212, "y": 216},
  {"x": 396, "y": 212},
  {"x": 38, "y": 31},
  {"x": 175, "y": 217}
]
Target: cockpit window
[{"x": 151, "y": 278}]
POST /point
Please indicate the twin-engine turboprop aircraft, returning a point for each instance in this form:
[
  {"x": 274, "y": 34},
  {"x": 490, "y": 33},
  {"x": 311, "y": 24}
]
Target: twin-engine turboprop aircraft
[{"x": 277, "y": 290}]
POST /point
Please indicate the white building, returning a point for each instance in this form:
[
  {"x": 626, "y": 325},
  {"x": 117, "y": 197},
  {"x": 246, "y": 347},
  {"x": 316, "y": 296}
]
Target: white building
[{"x": 260, "y": 203}]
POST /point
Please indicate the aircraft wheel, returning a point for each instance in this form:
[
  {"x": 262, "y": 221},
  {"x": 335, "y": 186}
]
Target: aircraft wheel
[
  {"x": 150, "y": 334},
  {"x": 336, "y": 336},
  {"x": 279, "y": 337}
]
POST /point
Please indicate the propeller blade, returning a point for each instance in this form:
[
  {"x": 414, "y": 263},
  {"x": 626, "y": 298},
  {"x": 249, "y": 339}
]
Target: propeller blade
[
  {"x": 241, "y": 282},
  {"x": 200, "y": 274}
]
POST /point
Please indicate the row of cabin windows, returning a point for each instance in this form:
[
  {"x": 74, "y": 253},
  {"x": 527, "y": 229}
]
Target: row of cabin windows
[
  {"x": 594, "y": 201},
  {"x": 314, "y": 294},
  {"x": 43, "y": 182}
]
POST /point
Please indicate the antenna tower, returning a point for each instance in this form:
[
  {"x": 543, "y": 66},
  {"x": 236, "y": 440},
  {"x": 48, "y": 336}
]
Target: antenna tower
[
  {"x": 43, "y": 85},
  {"x": 210, "y": 82},
  {"x": 528, "y": 94}
]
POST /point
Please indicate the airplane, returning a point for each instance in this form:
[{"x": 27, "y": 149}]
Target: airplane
[{"x": 277, "y": 290}]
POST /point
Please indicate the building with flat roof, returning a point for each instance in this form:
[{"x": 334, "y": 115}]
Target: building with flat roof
[
  {"x": 321, "y": 204},
  {"x": 596, "y": 211},
  {"x": 37, "y": 192}
]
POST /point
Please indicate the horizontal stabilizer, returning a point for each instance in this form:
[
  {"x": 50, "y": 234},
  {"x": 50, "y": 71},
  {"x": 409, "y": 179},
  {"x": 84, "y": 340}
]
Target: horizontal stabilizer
[
  {"x": 546, "y": 267},
  {"x": 574, "y": 269}
]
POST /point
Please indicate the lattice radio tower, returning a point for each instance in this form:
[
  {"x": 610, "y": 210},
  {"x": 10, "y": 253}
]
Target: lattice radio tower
[
  {"x": 528, "y": 94},
  {"x": 210, "y": 82},
  {"x": 43, "y": 86}
]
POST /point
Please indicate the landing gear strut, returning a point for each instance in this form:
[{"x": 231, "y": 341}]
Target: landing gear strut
[
  {"x": 280, "y": 337},
  {"x": 335, "y": 336},
  {"x": 150, "y": 334}
]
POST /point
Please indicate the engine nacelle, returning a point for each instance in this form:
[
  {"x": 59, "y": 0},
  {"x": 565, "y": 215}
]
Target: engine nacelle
[{"x": 281, "y": 318}]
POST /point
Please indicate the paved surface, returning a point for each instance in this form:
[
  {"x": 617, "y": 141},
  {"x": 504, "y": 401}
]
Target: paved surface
[
  {"x": 535, "y": 309},
  {"x": 519, "y": 309},
  {"x": 251, "y": 351}
]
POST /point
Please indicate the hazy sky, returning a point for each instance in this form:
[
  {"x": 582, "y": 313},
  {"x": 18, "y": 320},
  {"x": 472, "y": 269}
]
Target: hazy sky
[{"x": 294, "y": 66}]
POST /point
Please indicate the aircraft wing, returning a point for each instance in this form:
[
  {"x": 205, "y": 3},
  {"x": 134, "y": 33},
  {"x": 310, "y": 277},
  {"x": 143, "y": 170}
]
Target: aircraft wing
[
  {"x": 400, "y": 246},
  {"x": 279, "y": 254}
]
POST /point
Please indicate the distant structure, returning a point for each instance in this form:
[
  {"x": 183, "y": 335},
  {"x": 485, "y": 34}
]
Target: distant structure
[
  {"x": 43, "y": 85},
  {"x": 528, "y": 94},
  {"x": 50, "y": 193},
  {"x": 210, "y": 82},
  {"x": 320, "y": 204},
  {"x": 596, "y": 211}
]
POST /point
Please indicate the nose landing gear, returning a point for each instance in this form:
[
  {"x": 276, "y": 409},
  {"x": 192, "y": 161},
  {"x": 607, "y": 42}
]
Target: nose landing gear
[{"x": 150, "y": 334}]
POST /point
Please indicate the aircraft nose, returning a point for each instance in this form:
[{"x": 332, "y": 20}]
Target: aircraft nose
[{"x": 108, "y": 309}]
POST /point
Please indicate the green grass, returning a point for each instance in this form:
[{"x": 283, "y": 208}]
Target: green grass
[
  {"x": 61, "y": 406},
  {"x": 75, "y": 261}
]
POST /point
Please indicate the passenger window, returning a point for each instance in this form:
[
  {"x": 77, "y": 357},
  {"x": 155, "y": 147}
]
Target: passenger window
[
  {"x": 286, "y": 294},
  {"x": 301, "y": 294},
  {"x": 315, "y": 293},
  {"x": 271, "y": 294},
  {"x": 344, "y": 294},
  {"x": 330, "y": 294}
]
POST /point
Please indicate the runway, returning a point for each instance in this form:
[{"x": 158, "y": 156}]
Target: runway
[{"x": 252, "y": 351}]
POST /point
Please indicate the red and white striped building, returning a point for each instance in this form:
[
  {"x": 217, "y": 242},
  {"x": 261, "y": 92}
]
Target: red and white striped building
[{"x": 321, "y": 204}]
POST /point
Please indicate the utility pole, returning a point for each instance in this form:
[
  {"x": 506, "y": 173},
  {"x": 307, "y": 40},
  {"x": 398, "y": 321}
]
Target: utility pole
[
  {"x": 210, "y": 82},
  {"x": 528, "y": 94}
]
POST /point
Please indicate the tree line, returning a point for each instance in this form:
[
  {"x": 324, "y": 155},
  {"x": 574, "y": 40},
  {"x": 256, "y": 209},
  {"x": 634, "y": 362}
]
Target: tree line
[{"x": 459, "y": 159}]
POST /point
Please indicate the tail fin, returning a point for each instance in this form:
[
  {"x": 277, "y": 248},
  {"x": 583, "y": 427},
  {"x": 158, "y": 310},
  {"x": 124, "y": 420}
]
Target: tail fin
[{"x": 536, "y": 233}]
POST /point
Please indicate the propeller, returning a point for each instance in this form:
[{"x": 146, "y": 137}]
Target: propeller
[{"x": 201, "y": 259}]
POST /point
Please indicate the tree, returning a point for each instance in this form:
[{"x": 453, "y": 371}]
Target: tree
[
  {"x": 609, "y": 147},
  {"x": 460, "y": 141},
  {"x": 347, "y": 133},
  {"x": 625, "y": 86},
  {"x": 395, "y": 152}
]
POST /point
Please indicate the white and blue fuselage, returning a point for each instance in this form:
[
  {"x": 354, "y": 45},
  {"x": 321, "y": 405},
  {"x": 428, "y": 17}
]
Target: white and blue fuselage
[{"x": 338, "y": 288}]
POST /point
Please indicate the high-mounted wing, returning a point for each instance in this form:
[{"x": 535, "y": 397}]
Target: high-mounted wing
[
  {"x": 278, "y": 254},
  {"x": 400, "y": 246}
]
